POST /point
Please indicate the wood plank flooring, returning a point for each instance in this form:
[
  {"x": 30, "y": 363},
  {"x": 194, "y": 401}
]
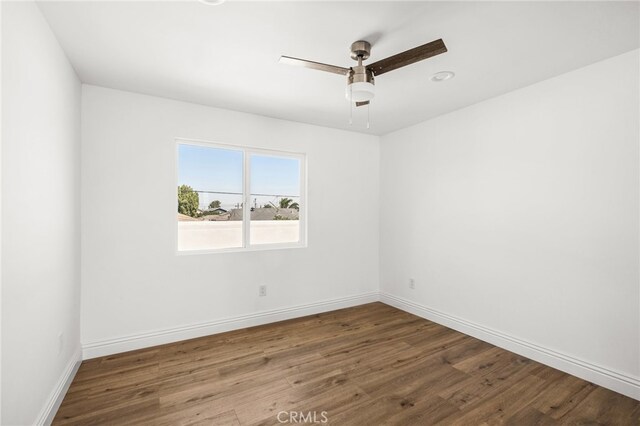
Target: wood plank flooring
[{"x": 368, "y": 365}]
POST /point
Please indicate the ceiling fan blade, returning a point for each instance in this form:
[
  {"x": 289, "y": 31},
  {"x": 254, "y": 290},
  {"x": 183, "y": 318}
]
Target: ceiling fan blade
[
  {"x": 408, "y": 57},
  {"x": 313, "y": 65},
  {"x": 362, "y": 103}
]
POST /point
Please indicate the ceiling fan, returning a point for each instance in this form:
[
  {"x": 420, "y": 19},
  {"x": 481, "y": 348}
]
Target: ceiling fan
[{"x": 360, "y": 78}]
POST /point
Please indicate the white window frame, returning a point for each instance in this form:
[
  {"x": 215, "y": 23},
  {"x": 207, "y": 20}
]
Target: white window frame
[{"x": 247, "y": 151}]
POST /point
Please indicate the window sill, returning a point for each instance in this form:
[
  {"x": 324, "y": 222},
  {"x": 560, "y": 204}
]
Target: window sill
[{"x": 262, "y": 247}]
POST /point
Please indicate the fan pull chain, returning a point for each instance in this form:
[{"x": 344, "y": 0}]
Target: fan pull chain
[
  {"x": 350, "y": 105},
  {"x": 368, "y": 113}
]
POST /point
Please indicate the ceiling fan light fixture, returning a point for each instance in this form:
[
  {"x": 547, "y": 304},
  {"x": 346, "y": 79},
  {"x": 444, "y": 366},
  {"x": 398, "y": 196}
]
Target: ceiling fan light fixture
[
  {"x": 360, "y": 84},
  {"x": 441, "y": 76},
  {"x": 360, "y": 91},
  {"x": 212, "y": 2}
]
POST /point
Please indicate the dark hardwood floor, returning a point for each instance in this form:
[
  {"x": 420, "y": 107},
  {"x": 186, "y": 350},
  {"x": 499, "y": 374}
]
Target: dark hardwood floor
[{"x": 369, "y": 365}]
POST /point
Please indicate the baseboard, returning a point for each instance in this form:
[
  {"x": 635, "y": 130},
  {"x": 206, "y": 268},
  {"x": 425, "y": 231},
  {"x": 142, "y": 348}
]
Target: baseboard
[
  {"x": 160, "y": 337},
  {"x": 616, "y": 381},
  {"x": 57, "y": 395}
]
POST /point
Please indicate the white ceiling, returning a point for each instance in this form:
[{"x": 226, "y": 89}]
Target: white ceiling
[{"x": 227, "y": 56}]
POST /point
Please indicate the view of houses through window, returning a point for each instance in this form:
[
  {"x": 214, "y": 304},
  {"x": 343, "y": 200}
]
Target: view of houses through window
[{"x": 211, "y": 197}]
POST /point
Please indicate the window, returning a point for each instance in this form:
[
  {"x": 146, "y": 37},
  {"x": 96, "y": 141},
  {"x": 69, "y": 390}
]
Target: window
[{"x": 232, "y": 198}]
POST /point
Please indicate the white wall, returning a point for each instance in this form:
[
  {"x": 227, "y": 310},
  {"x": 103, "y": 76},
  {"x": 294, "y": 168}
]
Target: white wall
[
  {"x": 1, "y": 134},
  {"x": 40, "y": 215},
  {"x": 520, "y": 215},
  {"x": 133, "y": 283}
]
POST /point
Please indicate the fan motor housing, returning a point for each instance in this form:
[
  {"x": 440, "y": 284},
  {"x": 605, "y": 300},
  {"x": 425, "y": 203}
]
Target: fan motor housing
[{"x": 360, "y": 74}]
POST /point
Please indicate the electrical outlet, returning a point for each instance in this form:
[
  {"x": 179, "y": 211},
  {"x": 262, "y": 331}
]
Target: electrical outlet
[
  {"x": 262, "y": 290},
  {"x": 412, "y": 284},
  {"x": 60, "y": 342}
]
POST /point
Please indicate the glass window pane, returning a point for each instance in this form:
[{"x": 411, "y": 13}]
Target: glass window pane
[
  {"x": 209, "y": 198},
  {"x": 275, "y": 200}
]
